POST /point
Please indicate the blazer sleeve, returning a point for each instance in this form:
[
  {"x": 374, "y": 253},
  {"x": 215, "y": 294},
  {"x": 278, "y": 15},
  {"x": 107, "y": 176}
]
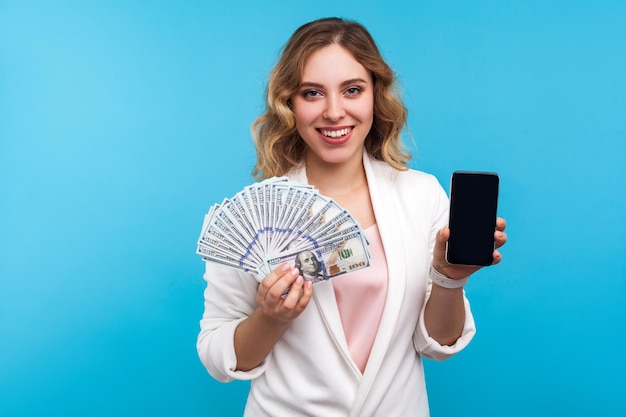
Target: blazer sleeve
[
  {"x": 430, "y": 348},
  {"x": 426, "y": 345},
  {"x": 229, "y": 298}
]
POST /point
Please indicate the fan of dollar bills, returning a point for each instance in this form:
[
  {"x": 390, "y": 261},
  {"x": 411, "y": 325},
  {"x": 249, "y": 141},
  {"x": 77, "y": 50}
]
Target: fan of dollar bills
[{"x": 276, "y": 221}]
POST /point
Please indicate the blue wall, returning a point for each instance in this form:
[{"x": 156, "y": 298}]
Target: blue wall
[{"x": 121, "y": 122}]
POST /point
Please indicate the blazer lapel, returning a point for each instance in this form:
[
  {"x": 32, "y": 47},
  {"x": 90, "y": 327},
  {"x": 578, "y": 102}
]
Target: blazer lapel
[
  {"x": 385, "y": 208},
  {"x": 324, "y": 297}
]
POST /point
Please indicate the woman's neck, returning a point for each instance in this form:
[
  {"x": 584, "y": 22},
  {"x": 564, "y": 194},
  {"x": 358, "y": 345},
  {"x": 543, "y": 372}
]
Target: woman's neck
[
  {"x": 346, "y": 184},
  {"x": 337, "y": 180}
]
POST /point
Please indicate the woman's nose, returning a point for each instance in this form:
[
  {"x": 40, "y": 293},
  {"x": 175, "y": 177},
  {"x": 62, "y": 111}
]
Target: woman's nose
[{"x": 334, "y": 108}]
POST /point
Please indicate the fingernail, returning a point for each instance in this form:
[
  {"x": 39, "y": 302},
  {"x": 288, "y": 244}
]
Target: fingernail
[{"x": 295, "y": 272}]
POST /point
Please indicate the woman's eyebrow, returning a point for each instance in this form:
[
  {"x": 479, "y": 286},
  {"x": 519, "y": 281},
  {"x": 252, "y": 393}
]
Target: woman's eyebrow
[
  {"x": 343, "y": 84},
  {"x": 354, "y": 81}
]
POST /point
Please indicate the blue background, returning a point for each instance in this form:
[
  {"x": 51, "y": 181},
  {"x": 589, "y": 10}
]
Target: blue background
[{"x": 121, "y": 122}]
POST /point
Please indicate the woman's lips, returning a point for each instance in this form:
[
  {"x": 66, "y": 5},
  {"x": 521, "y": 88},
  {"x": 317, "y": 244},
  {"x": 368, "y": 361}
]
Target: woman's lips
[{"x": 336, "y": 136}]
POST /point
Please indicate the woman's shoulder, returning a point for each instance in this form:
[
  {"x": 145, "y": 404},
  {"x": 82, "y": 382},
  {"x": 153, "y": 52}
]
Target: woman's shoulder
[{"x": 409, "y": 177}]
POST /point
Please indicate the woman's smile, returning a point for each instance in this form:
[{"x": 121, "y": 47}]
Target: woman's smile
[{"x": 335, "y": 136}]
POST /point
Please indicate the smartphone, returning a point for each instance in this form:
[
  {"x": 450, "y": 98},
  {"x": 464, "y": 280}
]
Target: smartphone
[{"x": 473, "y": 211}]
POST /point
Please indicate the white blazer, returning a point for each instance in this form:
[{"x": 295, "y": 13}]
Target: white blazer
[{"x": 310, "y": 371}]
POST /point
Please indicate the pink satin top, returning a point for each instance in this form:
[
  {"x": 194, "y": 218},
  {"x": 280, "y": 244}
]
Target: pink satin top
[{"x": 361, "y": 299}]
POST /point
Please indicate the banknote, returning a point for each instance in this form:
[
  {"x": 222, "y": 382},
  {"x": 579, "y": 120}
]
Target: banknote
[
  {"x": 277, "y": 220},
  {"x": 338, "y": 256}
]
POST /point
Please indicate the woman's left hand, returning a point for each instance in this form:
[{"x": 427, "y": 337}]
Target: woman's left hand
[{"x": 462, "y": 271}]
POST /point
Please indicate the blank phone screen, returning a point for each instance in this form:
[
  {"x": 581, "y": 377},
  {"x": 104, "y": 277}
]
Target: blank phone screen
[{"x": 473, "y": 211}]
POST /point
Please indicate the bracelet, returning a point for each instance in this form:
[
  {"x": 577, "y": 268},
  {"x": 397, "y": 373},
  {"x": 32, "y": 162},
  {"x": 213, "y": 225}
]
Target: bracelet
[{"x": 443, "y": 281}]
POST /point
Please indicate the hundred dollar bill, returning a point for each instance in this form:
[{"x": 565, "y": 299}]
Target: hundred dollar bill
[
  {"x": 310, "y": 220},
  {"x": 217, "y": 255},
  {"x": 221, "y": 233},
  {"x": 345, "y": 254},
  {"x": 338, "y": 234},
  {"x": 315, "y": 235},
  {"x": 296, "y": 211}
]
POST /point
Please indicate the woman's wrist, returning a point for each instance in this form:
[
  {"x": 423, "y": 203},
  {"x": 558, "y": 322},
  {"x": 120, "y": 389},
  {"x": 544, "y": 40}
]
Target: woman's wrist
[{"x": 443, "y": 281}]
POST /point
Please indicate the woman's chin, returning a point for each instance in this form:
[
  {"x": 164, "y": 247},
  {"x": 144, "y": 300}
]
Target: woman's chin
[{"x": 336, "y": 157}]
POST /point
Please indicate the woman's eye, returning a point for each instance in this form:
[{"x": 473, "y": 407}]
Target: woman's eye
[
  {"x": 353, "y": 91},
  {"x": 311, "y": 94}
]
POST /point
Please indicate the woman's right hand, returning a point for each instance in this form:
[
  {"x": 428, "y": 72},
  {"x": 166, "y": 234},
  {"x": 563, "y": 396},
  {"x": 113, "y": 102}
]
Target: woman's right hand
[
  {"x": 256, "y": 336},
  {"x": 273, "y": 304}
]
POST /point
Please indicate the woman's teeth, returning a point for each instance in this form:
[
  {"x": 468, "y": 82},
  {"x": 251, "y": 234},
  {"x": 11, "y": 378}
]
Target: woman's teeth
[{"x": 336, "y": 133}]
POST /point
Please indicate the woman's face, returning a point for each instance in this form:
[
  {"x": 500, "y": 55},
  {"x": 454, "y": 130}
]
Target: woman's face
[{"x": 334, "y": 107}]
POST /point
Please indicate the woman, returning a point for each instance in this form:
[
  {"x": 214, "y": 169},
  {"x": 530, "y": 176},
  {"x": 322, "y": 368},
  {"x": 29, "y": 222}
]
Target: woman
[{"x": 351, "y": 346}]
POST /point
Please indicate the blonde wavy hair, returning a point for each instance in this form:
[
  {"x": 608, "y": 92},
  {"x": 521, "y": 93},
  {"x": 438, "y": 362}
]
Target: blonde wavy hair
[{"x": 278, "y": 144}]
